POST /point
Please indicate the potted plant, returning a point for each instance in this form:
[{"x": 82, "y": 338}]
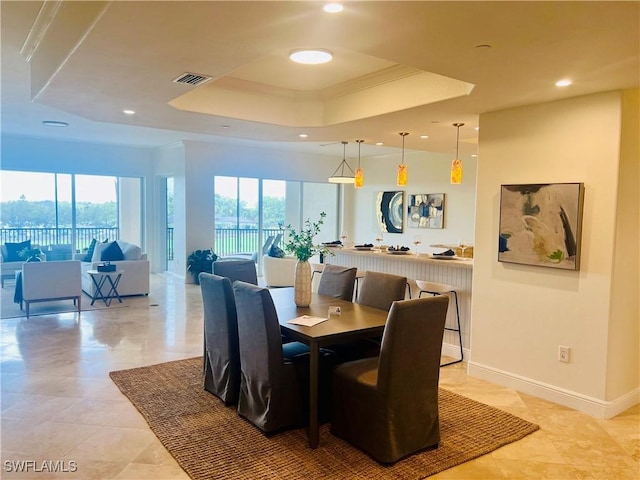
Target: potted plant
[
  {"x": 30, "y": 254},
  {"x": 302, "y": 247},
  {"x": 200, "y": 261}
]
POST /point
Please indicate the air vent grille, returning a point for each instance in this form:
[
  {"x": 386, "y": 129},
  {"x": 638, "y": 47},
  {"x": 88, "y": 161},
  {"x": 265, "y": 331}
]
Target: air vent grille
[{"x": 192, "y": 79}]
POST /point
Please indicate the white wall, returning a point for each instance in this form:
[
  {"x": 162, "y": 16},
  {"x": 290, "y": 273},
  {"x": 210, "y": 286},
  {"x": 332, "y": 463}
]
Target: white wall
[
  {"x": 624, "y": 328},
  {"x": 521, "y": 314},
  {"x": 428, "y": 173}
]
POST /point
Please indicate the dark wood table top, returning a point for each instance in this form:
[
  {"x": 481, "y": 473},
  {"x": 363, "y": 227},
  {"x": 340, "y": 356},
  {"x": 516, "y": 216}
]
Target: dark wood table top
[{"x": 355, "y": 321}]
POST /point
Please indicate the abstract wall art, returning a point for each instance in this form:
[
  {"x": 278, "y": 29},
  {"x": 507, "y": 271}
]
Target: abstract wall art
[
  {"x": 541, "y": 224},
  {"x": 389, "y": 211},
  {"x": 426, "y": 210}
]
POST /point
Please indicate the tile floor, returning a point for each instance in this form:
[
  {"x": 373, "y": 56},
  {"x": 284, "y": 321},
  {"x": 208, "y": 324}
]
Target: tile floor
[{"x": 59, "y": 405}]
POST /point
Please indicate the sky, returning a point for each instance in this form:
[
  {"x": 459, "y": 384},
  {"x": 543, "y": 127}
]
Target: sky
[{"x": 40, "y": 186}]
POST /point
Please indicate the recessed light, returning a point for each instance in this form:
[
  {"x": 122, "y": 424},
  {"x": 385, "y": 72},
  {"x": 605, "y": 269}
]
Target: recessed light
[
  {"x": 225, "y": 126},
  {"x": 129, "y": 112},
  {"x": 333, "y": 8},
  {"x": 379, "y": 144},
  {"x": 303, "y": 135},
  {"x": 54, "y": 123},
  {"x": 478, "y": 128},
  {"x": 314, "y": 56},
  {"x": 424, "y": 136},
  {"x": 474, "y": 155},
  {"x": 563, "y": 83}
]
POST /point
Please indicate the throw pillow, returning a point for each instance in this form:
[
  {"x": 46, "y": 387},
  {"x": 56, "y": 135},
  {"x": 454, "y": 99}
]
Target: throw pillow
[
  {"x": 112, "y": 253},
  {"x": 97, "y": 251},
  {"x": 14, "y": 249},
  {"x": 276, "y": 252},
  {"x": 89, "y": 255},
  {"x": 130, "y": 251}
]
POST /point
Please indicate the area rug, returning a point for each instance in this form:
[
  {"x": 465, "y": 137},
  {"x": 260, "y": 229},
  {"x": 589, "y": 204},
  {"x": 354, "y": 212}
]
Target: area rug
[{"x": 210, "y": 441}]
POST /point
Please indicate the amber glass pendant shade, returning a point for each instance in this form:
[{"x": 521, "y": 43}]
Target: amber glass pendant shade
[
  {"x": 402, "y": 175},
  {"x": 456, "y": 164},
  {"x": 359, "y": 175},
  {"x": 359, "y": 179},
  {"x": 456, "y": 172}
]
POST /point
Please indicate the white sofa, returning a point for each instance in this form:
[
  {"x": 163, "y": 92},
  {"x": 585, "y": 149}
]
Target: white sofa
[
  {"x": 8, "y": 269},
  {"x": 135, "y": 270},
  {"x": 46, "y": 281}
]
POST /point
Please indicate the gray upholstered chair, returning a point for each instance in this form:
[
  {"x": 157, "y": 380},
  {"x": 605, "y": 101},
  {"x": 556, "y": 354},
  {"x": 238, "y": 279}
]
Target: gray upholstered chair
[
  {"x": 243, "y": 270},
  {"x": 337, "y": 282},
  {"x": 221, "y": 351},
  {"x": 388, "y": 406},
  {"x": 380, "y": 290},
  {"x": 274, "y": 377}
]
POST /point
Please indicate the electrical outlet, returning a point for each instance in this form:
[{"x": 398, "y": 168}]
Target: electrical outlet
[{"x": 563, "y": 353}]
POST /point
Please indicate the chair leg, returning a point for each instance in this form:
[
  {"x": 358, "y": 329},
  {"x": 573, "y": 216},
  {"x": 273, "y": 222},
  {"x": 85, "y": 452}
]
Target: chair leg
[
  {"x": 409, "y": 290},
  {"x": 459, "y": 330}
]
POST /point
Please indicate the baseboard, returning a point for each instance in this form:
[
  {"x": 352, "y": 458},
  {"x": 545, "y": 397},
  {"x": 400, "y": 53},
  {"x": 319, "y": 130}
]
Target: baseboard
[
  {"x": 452, "y": 350},
  {"x": 583, "y": 403}
]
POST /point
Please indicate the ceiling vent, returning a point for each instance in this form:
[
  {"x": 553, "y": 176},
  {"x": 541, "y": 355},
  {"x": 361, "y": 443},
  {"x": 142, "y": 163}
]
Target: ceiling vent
[{"x": 192, "y": 79}]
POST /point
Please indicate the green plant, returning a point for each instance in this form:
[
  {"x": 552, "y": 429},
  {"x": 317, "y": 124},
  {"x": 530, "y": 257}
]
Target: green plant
[
  {"x": 200, "y": 261},
  {"x": 30, "y": 254},
  {"x": 301, "y": 243}
]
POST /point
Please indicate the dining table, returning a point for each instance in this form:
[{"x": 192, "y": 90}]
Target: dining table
[{"x": 354, "y": 322}]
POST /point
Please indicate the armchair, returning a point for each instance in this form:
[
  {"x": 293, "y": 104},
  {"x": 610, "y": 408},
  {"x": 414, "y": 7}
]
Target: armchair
[{"x": 46, "y": 281}]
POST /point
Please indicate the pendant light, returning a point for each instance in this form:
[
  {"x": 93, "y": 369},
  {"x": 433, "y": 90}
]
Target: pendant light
[
  {"x": 402, "y": 168},
  {"x": 456, "y": 164},
  {"x": 359, "y": 177},
  {"x": 340, "y": 175}
]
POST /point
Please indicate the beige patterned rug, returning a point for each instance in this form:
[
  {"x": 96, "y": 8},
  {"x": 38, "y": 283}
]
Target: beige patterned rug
[{"x": 210, "y": 441}]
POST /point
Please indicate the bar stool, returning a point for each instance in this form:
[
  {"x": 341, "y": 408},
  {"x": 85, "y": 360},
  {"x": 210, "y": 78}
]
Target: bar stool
[
  {"x": 441, "y": 289},
  {"x": 359, "y": 275}
]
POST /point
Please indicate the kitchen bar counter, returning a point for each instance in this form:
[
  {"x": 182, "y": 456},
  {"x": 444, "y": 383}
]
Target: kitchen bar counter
[{"x": 458, "y": 273}]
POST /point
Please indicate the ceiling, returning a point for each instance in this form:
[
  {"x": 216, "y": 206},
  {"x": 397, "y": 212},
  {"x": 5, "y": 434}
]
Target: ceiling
[{"x": 412, "y": 66}]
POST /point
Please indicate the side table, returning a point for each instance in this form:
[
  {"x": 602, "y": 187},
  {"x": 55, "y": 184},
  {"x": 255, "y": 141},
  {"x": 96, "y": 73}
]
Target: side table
[{"x": 111, "y": 279}]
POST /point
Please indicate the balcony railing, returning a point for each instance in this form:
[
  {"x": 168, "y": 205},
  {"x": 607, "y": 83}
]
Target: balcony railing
[
  {"x": 44, "y": 237},
  {"x": 240, "y": 240},
  {"x": 227, "y": 240}
]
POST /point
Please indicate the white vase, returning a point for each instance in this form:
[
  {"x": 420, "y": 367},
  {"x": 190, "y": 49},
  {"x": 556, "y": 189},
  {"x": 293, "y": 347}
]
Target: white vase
[{"x": 302, "y": 284}]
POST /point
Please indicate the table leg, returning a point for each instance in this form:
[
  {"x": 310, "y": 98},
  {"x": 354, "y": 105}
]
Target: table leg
[
  {"x": 98, "y": 295},
  {"x": 113, "y": 291},
  {"x": 314, "y": 428}
]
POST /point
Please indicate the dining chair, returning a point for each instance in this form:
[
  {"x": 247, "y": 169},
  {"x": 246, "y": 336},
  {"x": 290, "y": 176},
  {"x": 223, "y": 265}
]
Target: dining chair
[
  {"x": 243, "y": 270},
  {"x": 388, "y": 406},
  {"x": 274, "y": 378},
  {"x": 380, "y": 290},
  {"x": 221, "y": 351},
  {"x": 337, "y": 282}
]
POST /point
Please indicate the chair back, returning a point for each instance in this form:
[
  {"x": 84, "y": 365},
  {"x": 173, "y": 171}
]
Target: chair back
[
  {"x": 221, "y": 350},
  {"x": 267, "y": 245},
  {"x": 269, "y": 392},
  {"x": 42, "y": 280},
  {"x": 337, "y": 282},
  {"x": 409, "y": 363},
  {"x": 380, "y": 290},
  {"x": 242, "y": 270}
]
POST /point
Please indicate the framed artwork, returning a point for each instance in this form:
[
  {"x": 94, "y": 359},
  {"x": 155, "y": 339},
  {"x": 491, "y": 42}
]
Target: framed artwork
[
  {"x": 541, "y": 224},
  {"x": 389, "y": 211},
  {"x": 426, "y": 210}
]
